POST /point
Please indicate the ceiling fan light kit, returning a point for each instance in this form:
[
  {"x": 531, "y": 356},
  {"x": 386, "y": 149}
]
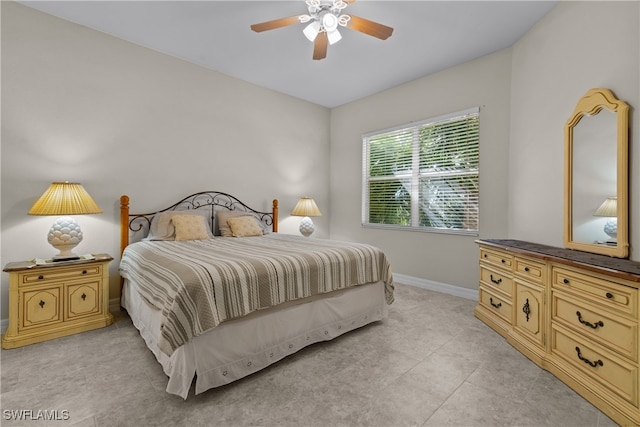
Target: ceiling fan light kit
[{"x": 324, "y": 18}]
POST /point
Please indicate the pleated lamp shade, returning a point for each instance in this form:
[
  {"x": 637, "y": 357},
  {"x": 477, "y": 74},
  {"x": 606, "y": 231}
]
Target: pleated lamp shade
[
  {"x": 306, "y": 206},
  {"x": 65, "y": 198}
]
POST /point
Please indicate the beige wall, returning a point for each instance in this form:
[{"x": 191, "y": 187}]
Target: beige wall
[
  {"x": 443, "y": 258},
  {"x": 577, "y": 46},
  {"x": 122, "y": 119}
]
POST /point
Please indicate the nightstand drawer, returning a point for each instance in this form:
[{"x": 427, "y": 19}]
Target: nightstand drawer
[
  {"x": 614, "y": 332},
  {"x": 600, "y": 365},
  {"x": 59, "y": 274},
  {"x": 41, "y": 307},
  {"x": 612, "y": 295},
  {"x": 83, "y": 300}
]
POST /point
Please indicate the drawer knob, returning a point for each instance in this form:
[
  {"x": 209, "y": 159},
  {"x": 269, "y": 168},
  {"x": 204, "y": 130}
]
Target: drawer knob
[
  {"x": 498, "y": 305},
  {"x": 41, "y": 277},
  {"x": 609, "y": 295},
  {"x": 84, "y": 271},
  {"x": 526, "y": 309},
  {"x": 503, "y": 261},
  {"x": 598, "y": 324},
  {"x": 41, "y": 304},
  {"x": 587, "y": 361},
  {"x": 526, "y": 269},
  {"x": 83, "y": 296},
  {"x": 496, "y": 281},
  {"x": 485, "y": 255},
  {"x": 565, "y": 281}
]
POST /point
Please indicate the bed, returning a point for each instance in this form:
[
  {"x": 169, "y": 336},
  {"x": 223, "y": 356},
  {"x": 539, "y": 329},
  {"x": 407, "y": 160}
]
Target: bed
[{"x": 218, "y": 294}]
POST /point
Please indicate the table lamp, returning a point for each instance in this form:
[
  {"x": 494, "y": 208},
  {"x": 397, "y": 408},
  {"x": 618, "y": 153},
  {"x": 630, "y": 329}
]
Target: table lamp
[
  {"x": 609, "y": 208},
  {"x": 65, "y": 198},
  {"x": 306, "y": 207}
]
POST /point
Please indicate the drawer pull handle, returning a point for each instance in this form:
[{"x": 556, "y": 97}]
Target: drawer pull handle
[
  {"x": 526, "y": 269},
  {"x": 485, "y": 255},
  {"x": 587, "y": 361},
  {"x": 41, "y": 277},
  {"x": 41, "y": 304},
  {"x": 496, "y": 281},
  {"x": 83, "y": 296},
  {"x": 503, "y": 261},
  {"x": 565, "y": 281},
  {"x": 599, "y": 323},
  {"x": 498, "y": 305},
  {"x": 609, "y": 295},
  {"x": 526, "y": 309},
  {"x": 84, "y": 271}
]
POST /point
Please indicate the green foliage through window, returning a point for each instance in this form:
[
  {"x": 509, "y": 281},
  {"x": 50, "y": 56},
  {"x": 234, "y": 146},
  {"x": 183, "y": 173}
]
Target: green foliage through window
[{"x": 424, "y": 175}]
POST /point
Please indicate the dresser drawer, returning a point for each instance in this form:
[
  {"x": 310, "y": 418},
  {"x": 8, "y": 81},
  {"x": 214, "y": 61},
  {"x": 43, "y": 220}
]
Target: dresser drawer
[
  {"x": 496, "y": 258},
  {"x": 41, "y": 307},
  {"x": 500, "y": 305},
  {"x": 531, "y": 270},
  {"x": 612, "y": 295},
  {"x": 598, "y": 364},
  {"x": 60, "y": 274},
  {"x": 496, "y": 279},
  {"x": 614, "y": 332}
]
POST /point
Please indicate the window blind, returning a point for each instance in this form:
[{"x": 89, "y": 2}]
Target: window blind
[{"x": 423, "y": 175}]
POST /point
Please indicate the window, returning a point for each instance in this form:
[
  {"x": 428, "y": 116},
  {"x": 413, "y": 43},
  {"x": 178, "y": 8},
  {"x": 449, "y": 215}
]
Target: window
[{"x": 423, "y": 176}]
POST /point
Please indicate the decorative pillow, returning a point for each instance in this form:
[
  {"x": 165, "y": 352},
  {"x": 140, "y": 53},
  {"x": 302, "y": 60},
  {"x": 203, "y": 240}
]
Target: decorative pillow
[
  {"x": 162, "y": 228},
  {"x": 190, "y": 227},
  {"x": 244, "y": 226},
  {"x": 223, "y": 217}
]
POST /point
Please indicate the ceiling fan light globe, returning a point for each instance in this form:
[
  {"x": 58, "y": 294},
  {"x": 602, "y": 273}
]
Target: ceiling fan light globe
[
  {"x": 311, "y": 31},
  {"x": 334, "y": 36},
  {"x": 329, "y": 22}
]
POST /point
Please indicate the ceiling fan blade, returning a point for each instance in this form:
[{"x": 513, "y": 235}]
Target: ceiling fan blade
[
  {"x": 369, "y": 27},
  {"x": 320, "y": 46},
  {"x": 276, "y": 23}
]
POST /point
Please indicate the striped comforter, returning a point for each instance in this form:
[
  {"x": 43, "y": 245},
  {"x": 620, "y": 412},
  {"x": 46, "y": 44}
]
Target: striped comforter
[{"x": 200, "y": 284}]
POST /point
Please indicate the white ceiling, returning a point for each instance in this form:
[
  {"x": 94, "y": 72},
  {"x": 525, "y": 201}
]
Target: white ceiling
[{"x": 428, "y": 36}]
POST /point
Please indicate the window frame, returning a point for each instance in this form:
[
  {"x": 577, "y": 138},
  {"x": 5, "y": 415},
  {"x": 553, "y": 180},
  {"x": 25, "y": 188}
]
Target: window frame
[{"x": 415, "y": 176}]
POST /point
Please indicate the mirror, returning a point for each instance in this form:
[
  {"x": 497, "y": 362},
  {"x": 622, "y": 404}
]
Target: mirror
[{"x": 596, "y": 175}]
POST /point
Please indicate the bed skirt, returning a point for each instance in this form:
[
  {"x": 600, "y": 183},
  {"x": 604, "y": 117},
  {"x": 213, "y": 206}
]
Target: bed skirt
[{"x": 243, "y": 346}]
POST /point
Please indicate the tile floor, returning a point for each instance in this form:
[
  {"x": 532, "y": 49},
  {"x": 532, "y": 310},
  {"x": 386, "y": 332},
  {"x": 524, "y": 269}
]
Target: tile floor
[{"x": 431, "y": 363}]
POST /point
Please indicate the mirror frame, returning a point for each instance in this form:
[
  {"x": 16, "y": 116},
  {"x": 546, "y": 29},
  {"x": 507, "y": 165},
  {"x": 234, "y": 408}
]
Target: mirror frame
[{"x": 590, "y": 104}]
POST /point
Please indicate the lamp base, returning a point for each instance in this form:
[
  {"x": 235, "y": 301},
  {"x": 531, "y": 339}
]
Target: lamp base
[
  {"x": 64, "y": 235},
  {"x": 611, "y": 230},
  {"x": 306, "y": 227}
]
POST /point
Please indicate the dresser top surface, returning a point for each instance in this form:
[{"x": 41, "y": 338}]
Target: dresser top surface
[
  {"x": 623, "y": 268},
  {"x": 38, "y": 264}
]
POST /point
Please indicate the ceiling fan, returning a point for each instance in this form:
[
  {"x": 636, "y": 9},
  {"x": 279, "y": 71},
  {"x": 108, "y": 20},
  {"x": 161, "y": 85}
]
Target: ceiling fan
[{"x": 324, "y": 18}]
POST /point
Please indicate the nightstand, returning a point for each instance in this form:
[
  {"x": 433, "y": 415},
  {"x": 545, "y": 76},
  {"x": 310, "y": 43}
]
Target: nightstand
[{"x": 55, "y": 299}]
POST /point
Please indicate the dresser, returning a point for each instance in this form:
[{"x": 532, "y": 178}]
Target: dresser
[
  {"x": 56, "y": 299},
  {"x": 573, "y": 313}
]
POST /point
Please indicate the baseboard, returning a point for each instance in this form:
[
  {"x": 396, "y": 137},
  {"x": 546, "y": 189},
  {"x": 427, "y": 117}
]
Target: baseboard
[
  {"x": 114, "y": 305},
  {"x": 431, "y": 285}
]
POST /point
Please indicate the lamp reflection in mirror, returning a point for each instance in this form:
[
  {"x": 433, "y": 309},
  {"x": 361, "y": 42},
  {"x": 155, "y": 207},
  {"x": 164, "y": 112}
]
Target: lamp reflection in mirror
[
  {"x": 609, "y": 208},
  {"x": 65, "y": 198},
  {"x": 306, "y": 207}
]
